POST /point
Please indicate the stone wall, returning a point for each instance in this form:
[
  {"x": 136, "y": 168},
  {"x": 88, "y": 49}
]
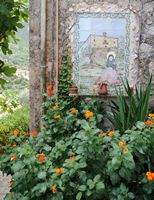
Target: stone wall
[
  {"x": 43, "y": 40},
  {"x": 146, "y": 50}
]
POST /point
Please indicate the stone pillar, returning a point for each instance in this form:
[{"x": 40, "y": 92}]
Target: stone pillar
[
  {"x": 35, "y": 62},
  {"x": 42, "y": 55}
]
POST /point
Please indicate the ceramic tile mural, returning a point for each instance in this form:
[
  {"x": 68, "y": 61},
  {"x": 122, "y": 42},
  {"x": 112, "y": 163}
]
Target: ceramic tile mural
[{"x": 102, "y": 50}]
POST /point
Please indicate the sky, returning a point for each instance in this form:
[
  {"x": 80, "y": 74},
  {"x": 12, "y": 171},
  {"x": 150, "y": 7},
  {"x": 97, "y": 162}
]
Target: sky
[{"x": 96, "y": 26}]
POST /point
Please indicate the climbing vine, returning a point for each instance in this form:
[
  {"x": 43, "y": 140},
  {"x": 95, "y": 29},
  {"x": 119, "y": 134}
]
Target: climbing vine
[{"x": 65, "y": 78}]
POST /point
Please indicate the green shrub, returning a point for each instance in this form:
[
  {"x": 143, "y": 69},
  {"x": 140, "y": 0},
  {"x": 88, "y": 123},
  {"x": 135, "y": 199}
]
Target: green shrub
[
  {"x": 130, "y": 108},
  {"x": 71, "y": 158},
  {"x": 18, "y": 120}
]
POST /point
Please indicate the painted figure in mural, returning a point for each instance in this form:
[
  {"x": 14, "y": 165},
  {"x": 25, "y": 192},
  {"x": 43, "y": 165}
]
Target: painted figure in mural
[
  {"x": 111, "y": 62},
  {"x": 109, "y": 75}
]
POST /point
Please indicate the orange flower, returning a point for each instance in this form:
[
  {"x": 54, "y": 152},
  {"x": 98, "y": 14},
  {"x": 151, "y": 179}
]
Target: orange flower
[
  {"x": 14, "y": 157},
  {"x": 26, "y": 134},
  {"x": 16, "y": 132},
  {"x": 56, "y": 107},
  {"x": 57, "y": 116},
  {"x": 11, "y": 184},
  {"x": 150, "y": 176},
  {"x": 54, "y": 189},
  {"x": 42, "y": 159},
  {"x": 148, "y": 123},
  {"x": 73, "y": 111},
  {"x": 89, "y": 114},
  {"x": 121, "y": 144},
  {"x": 14, "y": 145},
  {"x": 50, "y": 93},
  {"x": 50, "y": 87},
  {"x": 111, "y": 133},
  {"x": 34, "y": 133},
  {"x": 126, "y": 150},
  {"x": 59, "y": 170}
]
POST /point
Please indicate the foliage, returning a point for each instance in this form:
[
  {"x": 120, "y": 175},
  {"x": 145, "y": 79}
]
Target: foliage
[
  {"x": 8, "y": 102},
  {"x": 130, "y": 108},
  {"x": 5, "y": 70},
  {"x": 19, "y": 120},
  {"x": 71, "y": 158},
  {"x": 65, "y": 78},
  {"x": 12, "y": 14}
]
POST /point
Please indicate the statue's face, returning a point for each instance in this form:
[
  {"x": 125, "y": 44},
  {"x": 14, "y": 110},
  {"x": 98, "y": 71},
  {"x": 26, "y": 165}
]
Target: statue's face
[{"x": 111, "y": 57}]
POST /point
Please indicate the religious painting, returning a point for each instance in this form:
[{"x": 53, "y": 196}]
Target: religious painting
[{"x": 102, "y": 51}]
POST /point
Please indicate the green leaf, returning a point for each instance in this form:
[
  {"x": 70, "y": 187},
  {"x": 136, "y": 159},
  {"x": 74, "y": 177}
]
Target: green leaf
[
  {"x": 82, "y": 188},
  {"x": 42, "y": 175},
  {"x": 131, "y": 195},
  {"x": 97, "y": 178},
  {"x": 140, "y": 125},
  {"x": 114, "y": 178},
  {"x": 79, "y": 196},
  {"x": 9, "y": 71},
  {"x": 116, "y": 162},
  {"x": 2, "y": 82},
  {"x": 91, "y": 184},
  {"x": 19, "y": 25},
  {"x": 18, "y": 166},
  {"x": 100, "y": 186}
]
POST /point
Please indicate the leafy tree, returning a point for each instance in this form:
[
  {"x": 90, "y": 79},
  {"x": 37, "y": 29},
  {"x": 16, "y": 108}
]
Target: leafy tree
[{"x": 12, "y": 14}]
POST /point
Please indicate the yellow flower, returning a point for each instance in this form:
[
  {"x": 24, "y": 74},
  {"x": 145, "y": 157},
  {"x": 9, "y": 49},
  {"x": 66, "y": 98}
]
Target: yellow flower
[
  {"x": 121, "y": 144},
  {"x": 111, "y": 133},
  {"x": 14, "y": 145},
  {"x": 39, "y": 154},
  {"x": 56, "y": 107},
  {"x": 126, "y": 150},
  {"x": 151, "y": 115},
  {"x": 89, "y": 114},
  {"x": 57, "y": 116}
]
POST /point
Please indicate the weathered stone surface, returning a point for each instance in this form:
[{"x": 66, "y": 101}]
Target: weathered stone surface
[
  {"x": 4, "y": 185},
  {"x": 146, "y": 51}
]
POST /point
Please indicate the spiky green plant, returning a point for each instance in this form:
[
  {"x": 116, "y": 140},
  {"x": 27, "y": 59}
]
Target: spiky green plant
[{"x": 130, "y": 108}]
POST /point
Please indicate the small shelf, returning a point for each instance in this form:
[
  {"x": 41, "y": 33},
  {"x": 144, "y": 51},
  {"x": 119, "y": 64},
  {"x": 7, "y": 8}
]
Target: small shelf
[{"x": 92, "y": 96}]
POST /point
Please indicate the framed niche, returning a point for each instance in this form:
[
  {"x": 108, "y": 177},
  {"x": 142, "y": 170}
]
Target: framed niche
[{"x": 103, "y": 50}]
